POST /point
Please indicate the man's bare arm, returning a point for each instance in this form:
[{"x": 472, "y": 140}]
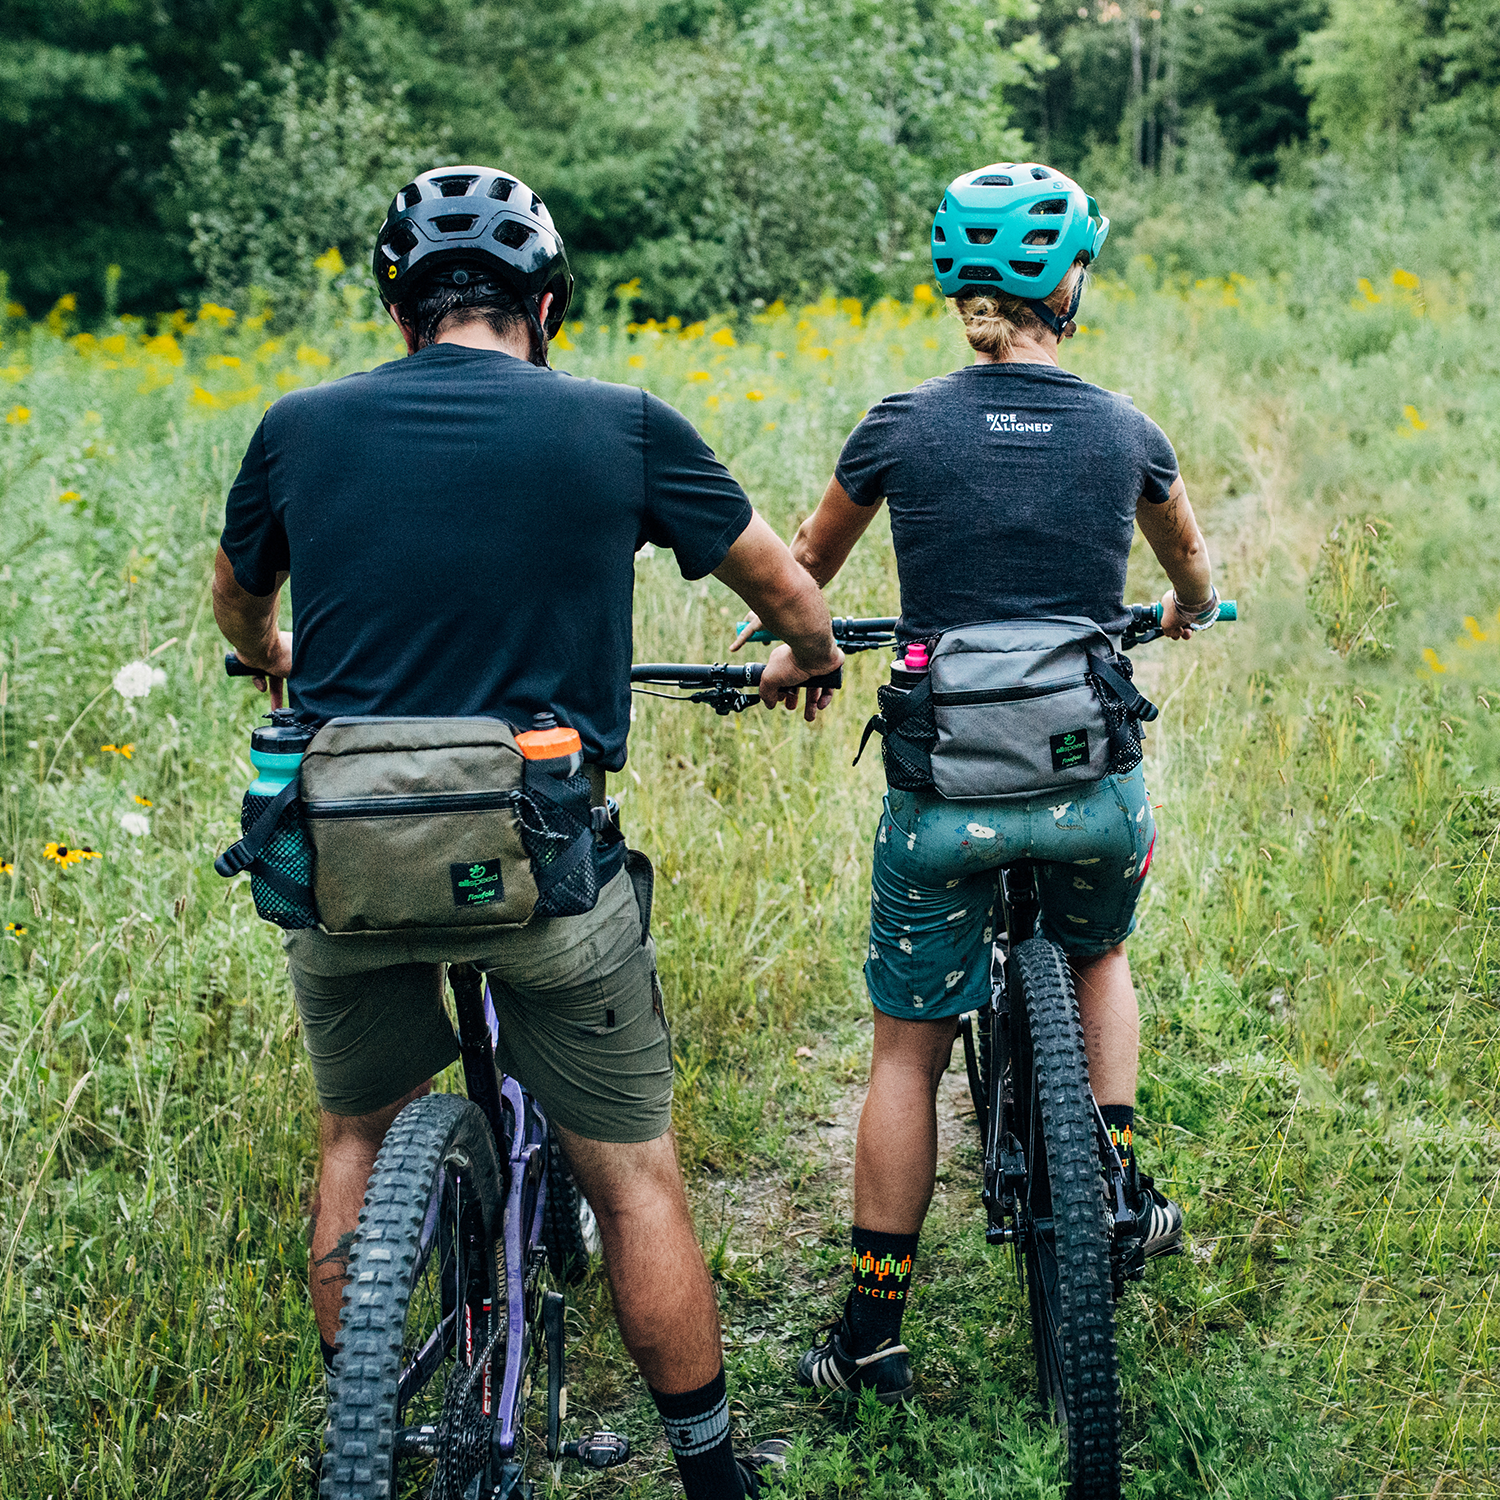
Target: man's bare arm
[{"x": 248, "y": 621}]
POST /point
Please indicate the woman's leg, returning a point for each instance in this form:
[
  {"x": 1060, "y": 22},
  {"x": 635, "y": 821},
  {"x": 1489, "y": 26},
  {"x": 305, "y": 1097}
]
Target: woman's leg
[
  {"x": 895, "y": 1157},
  {"x": 1111, "y": 1023}
]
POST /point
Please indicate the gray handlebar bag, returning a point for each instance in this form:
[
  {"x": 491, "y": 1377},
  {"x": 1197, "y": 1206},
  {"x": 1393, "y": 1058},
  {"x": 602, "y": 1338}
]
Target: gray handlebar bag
[
  {"x": 1016, "y": 708},
  {"x": 417, "y": 823}
]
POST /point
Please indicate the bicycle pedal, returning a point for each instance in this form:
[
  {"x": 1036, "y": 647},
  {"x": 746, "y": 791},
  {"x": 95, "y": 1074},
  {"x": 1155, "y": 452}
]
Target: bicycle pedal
[{"x": 598, "y": 1450}]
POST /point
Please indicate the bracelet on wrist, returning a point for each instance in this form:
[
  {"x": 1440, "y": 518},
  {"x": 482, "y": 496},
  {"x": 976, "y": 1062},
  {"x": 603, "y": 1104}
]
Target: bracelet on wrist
[{"x": 1200, "y": 616}]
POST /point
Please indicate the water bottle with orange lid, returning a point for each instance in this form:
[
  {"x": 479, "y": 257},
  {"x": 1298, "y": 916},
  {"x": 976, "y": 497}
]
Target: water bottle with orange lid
[{"x": 551, "y": 747}]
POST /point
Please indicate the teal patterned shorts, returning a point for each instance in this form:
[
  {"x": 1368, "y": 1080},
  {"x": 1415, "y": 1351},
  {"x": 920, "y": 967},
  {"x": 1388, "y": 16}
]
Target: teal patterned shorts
[{"x": 933, "y": 886}]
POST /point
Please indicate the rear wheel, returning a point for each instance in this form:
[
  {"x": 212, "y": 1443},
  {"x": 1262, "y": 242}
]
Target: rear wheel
[
  {"x": 572, "y": 1232},
  {"x": 1066, "y": 1225},
  {"x": 423, "y": 1313}
]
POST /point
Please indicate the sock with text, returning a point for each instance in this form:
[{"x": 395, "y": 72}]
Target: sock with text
[
  {"x": 697, "y": 1424},
  {"x": 1119, "y": 1120},
  {"x": 882, "y": 1274}
]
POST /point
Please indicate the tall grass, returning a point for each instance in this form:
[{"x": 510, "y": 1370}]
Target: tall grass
[{"x": 1316, "y": 959}]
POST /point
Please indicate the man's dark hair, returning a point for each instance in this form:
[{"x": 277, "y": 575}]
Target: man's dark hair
[{"x": 445, "y": 299}]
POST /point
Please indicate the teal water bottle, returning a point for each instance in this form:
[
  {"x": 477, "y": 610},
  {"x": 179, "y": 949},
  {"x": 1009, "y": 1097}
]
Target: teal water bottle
[{"x": 279, "y": 857}]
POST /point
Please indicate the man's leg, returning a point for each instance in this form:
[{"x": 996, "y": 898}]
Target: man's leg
[
  {"x": 349, "y": 1146},
  {"x": 664, "y": 1299}
]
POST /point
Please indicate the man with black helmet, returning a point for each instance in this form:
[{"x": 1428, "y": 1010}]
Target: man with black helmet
[{"x": 459, "y": 528}]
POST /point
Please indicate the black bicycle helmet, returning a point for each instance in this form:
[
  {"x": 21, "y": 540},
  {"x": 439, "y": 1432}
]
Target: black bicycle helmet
[{"x": 478, "y": 220}]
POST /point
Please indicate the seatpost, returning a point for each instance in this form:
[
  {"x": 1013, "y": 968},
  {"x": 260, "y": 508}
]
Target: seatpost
[{"x": 477, "y": 1049}]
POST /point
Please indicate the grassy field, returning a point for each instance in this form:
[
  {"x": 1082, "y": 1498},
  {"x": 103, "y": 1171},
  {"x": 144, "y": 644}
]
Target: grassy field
[{"x": 1317, "y": 957}]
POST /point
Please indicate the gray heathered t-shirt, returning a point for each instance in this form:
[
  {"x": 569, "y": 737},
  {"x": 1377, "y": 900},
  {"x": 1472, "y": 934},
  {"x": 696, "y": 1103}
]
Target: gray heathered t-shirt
[{"x": 1012, "y": 491}]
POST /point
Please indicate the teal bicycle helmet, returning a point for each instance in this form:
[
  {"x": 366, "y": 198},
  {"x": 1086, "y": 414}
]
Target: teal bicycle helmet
[{"x": 1018, "y": 227}]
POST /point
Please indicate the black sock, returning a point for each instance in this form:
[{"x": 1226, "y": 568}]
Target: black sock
[
  {"x": 329, "y": 1350},
  {"x": 1119, "y": 1120},
  {"x": 882, "y": 1273},
  {"x": 697, "y": 1424}
]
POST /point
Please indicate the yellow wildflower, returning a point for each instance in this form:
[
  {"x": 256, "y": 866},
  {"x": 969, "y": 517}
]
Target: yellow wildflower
[
  {"x": 1410, "y": 413},
  {"x": 307, "y": 355},
  {"x": 330, "y": 262},
  {"x": 562, "y": 340},
  {"x": 699, "y": 375},
  {"x": 211, "y": 312},
  {"x": 1405, "y": 280},
  {"x": 164, "y": 346},
  {"x": 114, "y": 344},
  {"x": 62, "y": 855},
  {"x": 1431, "y": 658},
  {"x": 1370, "y": 294},
  {"x": 695, "y": 330},
  {"x": 18, "y": 416},
  {"x": 712, "y": 403},
  {"x": 14, "y": 310},
  {"x": 126, "y": 750},
  {"x": 755, "y": 395},
  {"x": 201, "y": 397},
  {"x": 17, "y": 929},
  {"x": 6, "y": 868},
  {"x": 67, "y": 496},
  {"x": 1472, "y": 626},
  {"x": 724, "y": 338},
  {"x": 144, "y": 801},
  {"x": 637, "y": 361},
  {"x": 922, "y": 293},
  {"x": 222, "y": 362}
]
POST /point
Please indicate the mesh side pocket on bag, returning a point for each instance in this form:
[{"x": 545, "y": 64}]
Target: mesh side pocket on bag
[
  {"x": 550, "y": 824},
  {"x": 907, "y": 752},
  {"x": 289, "y": 852},
  {"x": 1124, "y": 730}
]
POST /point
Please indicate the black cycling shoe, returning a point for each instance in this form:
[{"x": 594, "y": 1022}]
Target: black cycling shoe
[
  {"x": 769, "y": 1453},
  {"x": 830, "y": 1366},
  {"x": 1160, "y": 1220}
]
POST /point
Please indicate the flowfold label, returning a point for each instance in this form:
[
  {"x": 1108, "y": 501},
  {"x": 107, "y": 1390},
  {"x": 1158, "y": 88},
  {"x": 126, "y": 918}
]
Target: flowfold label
[
  {"x": 1070, "y": 749},
  {"x": 477, "y": 884}
]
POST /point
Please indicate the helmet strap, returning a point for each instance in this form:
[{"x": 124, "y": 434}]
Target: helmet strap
[
  {"x": 538, "y": 337},
  {"x": 1062, "y": 325}
]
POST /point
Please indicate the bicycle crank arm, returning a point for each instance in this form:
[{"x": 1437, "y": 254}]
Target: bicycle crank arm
[
  {"x": 552, "y": 1323},
  {"x": 598, "y": 1450}
]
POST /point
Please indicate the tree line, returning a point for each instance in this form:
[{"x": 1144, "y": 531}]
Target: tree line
[{"x": 714, "y": 153}]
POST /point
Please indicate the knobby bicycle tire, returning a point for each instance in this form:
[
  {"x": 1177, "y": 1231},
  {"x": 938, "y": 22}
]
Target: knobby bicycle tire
[
  {"x": 428, "y": 1232},
  {"x": 1067, "y": 1250},
  {"x": 571, "y": 1231}
]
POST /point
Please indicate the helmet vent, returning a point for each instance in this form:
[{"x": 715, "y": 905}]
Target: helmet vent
[
  {"x": 944, "y": 265},
  {"x": 979, "y": 273},
  {"x": 1040, "y": 173},
  {"x": 1050, "y": 206},
  {"x": 501, "y": 188},
  {"x": 994, "y": 179},
  {"x": 1041, "y": 237},
  {"x": 1027, "y": 267},
  {"x": 980, "y": 236},
  {"x": 403, "y": 240},
  {"x": 513, "y": 234},
  {"x": 454, "y": 187},
  {"x": 453, "y": 223},
  {"x": 410, "y": 195},
  {"x": 536, "y": 203},
  {"x": 938, "y": 237}
]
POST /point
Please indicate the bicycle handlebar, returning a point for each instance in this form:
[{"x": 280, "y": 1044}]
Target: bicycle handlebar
[
  {"x": 726, "y": 689},
  {"x": 865, "y": 635}
]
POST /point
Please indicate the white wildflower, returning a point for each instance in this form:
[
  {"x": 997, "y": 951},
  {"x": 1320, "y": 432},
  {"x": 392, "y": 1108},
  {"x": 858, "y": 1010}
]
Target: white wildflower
[
  {"x": 138, "y": 825},
  {"x": 136, "y": 678}
]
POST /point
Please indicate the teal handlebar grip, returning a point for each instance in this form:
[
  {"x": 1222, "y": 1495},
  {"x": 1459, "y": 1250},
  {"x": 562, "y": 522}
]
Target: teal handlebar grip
[
  {"x": 761, "y": 637},
  {"x": 1228, "y": 610}
]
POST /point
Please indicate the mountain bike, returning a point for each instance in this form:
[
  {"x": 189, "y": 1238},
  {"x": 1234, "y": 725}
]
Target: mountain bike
[
  {"x": 469, "y": 1209},
  {"x": 1055, "y": 1189}
]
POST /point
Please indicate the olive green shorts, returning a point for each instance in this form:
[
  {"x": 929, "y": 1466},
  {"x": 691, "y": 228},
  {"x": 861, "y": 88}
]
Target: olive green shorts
[{"x": 582, "y": 1024}]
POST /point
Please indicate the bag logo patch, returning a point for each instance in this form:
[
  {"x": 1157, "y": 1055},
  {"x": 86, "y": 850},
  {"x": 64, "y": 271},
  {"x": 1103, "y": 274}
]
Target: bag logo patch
[
  {"x": 1070, "y": 749},
  {"x": 477, "y": 884}
]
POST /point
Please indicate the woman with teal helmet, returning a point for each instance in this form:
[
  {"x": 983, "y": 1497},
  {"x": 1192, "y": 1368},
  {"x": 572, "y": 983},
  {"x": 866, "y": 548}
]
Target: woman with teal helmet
[{"x": 1014, "y": 490}]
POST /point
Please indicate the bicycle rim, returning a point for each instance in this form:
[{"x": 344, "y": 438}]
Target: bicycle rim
[
  {"x": 1067, "y": 1234},
  {"x": 410, "y": 1407}
]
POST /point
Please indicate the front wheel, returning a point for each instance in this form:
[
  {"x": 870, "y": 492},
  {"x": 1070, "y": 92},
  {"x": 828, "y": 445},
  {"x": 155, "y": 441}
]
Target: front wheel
[
  {"x": 409, "y": 1409},
  {"x": 1066, "y": 1225}
]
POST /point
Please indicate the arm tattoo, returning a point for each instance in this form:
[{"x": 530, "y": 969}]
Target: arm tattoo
[{"x": 339, "y": 1257}]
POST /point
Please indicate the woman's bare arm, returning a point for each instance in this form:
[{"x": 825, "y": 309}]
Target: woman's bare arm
[{"x": 1171, "y": 530}]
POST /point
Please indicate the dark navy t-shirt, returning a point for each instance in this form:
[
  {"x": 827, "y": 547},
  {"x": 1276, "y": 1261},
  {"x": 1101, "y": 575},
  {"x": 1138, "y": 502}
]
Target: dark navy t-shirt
[
  {"x": 461, "y": 527},
  {"x": 1012, "y": 490}
]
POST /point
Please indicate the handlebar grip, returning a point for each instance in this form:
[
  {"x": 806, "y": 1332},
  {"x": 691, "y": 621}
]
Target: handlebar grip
[
  {"x": 833, "y": 679},
  {"x": 1228, "y": 610},
  {"x": 761, "y": 637},
  {"x": 234, "y": 667}
]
